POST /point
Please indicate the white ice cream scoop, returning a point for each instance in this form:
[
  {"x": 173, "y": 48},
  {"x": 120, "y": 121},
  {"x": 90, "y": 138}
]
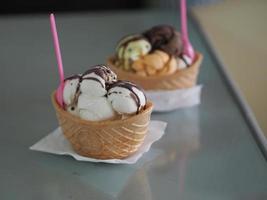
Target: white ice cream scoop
[
  {"x": 93, "y": 86},
  {"x": 70, "y": 87},
  {"x": 102, "y": 73},
  {"x": 126, "y": 98},
  {"x": 94, "y": 80},
  {"x": 183, "y": 61},
  {"x": 94, "y": 108}
]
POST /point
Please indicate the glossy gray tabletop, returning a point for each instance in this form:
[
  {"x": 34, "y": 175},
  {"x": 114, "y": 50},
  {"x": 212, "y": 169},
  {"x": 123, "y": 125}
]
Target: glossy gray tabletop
[{"x": 207, "y": 153}]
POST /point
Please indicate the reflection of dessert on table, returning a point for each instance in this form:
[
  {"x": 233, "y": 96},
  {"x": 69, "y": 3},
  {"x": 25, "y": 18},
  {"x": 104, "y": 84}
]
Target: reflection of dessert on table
[
  {"x": 155, "y": 59},
  {"x": 102, "y": 116},
  {"x": 137, "y": 187}
]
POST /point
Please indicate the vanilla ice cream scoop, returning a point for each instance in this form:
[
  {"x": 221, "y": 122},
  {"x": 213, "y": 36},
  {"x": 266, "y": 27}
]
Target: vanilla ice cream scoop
[
  {"x": 94, "y": 108},
  {"x": 102, "y": 73},
  {"x": 126, "y": 97},
  {"x": 93, "y": 87},
  {"x": 94, "y": 81},
  {"x": 183, "y": 61},
  {"x": 70, "y": 87}
]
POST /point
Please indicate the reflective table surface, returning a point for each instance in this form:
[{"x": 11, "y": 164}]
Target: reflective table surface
[{"x": 208, "y": 151}]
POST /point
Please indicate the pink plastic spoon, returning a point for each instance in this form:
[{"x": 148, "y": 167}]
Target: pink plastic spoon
[
  {"x": 188, "y": 48},
  {"x": 59, "y": 92}
]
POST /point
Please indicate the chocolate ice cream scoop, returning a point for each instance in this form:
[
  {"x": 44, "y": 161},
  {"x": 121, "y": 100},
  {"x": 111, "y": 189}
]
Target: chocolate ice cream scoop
[{"x": 165, "y": 38}]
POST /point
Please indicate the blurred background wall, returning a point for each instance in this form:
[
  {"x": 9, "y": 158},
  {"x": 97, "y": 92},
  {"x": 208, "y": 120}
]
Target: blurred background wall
[
  {"x": 237, "y": 29},
  {"x": 35, "y": 6}
]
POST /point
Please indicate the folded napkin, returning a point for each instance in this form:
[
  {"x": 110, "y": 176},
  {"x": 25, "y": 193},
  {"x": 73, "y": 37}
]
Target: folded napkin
[
  {"x": 56, "y": 143},
  {"x": 167, "y": 100}
]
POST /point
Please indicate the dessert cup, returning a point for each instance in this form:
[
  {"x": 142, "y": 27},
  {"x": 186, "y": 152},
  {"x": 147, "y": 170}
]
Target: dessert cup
[
  {"x": 181, "y": 79},
  {"x": 110, "y": 139}
]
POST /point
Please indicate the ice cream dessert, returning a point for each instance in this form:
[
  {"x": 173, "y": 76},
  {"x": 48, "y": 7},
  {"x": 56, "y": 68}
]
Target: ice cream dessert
[
  {"x": 155, "y": 60},
  {"x": 103, "y": 117}
]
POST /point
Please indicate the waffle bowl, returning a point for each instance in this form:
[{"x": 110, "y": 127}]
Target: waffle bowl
[
  {"x": 110, "y": 139},
  {"x": 182, "y": 79}
]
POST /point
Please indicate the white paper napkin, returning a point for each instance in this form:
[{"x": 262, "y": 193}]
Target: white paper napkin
[
  {"x": 173, "y": 99},
  {"x": 56, "y": 143}
]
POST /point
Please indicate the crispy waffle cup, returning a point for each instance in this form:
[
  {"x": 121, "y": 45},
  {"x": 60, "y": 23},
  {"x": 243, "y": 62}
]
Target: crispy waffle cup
[
  {"x": 110, "y": 139},
  {"x": 182, "y": 79}
]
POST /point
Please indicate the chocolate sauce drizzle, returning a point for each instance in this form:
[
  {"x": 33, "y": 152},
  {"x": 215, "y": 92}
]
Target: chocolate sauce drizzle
[
  {"x": 72, "y": 77},
  {"x": 185, "y": 61}
]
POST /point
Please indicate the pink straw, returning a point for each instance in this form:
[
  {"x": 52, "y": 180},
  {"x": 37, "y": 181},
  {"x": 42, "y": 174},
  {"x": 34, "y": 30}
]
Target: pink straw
[
  {"x": 188, "y": 48},
  {"x": 59, "y": 92}
]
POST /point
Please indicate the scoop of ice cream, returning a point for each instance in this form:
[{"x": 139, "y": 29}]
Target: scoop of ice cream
[
  {"x": 155, "y": 60},
  {"x": 169, "y": 68},
  {"x": 70, "y": 88},
  {"x": 93, "y": 86},
  {"x": 131, "y": 48},
  {"x": 184, "y": 61},
  {"x": 156, "y": 63},
  {"x": 94, "y": 108},
  {"x": 102, "y": 73},
  {"x": 126, "y": 97},
  {"x": 164, "y": 37}
]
